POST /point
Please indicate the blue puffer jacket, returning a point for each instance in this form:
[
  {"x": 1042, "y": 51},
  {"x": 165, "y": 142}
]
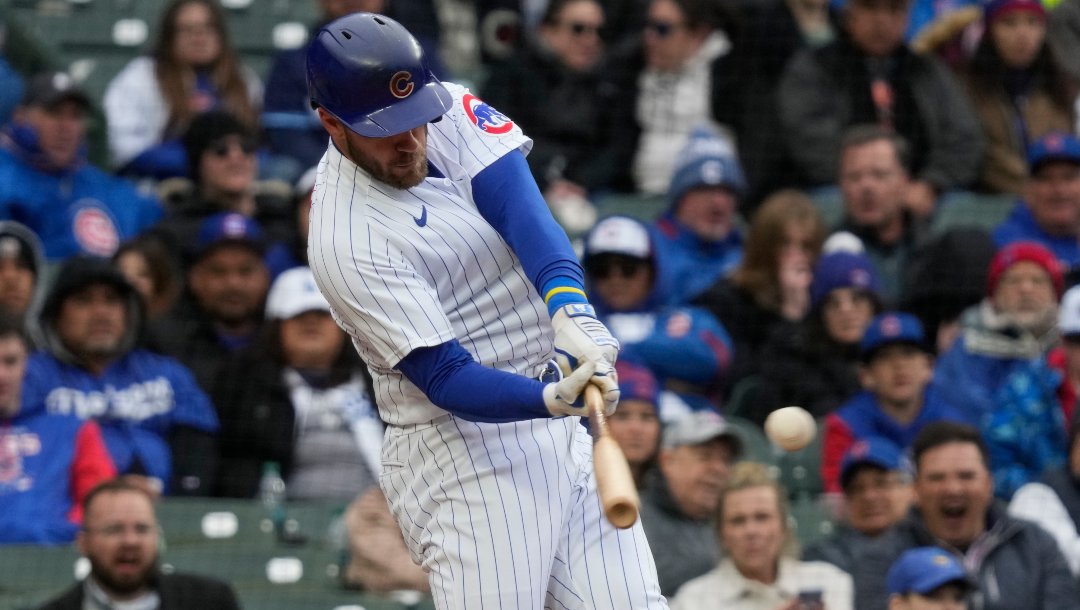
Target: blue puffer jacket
[{"x": 1026, "y": 430}]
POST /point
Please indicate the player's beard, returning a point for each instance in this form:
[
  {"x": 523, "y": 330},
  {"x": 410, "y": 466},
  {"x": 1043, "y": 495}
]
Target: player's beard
[{"x": 394, "y": 175}]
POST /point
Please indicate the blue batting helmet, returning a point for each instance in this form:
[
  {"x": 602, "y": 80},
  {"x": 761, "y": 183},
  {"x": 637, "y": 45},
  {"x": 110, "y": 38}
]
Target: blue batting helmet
[{"x": 369, "y": 72}]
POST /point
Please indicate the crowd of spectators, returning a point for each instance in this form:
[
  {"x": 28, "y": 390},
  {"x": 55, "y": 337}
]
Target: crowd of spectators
[{"x": 158, "y": 322}]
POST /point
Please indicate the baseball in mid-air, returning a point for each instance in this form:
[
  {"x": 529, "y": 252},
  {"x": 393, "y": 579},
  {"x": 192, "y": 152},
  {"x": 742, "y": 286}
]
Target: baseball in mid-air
[{"x": 792, "y": 428}]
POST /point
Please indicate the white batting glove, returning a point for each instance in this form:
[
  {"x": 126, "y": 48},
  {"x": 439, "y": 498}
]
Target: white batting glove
[
  {"x": 565, "y": 397},
  {"x": 608, "y": 382},
  {"x": 580, "y": 337}
]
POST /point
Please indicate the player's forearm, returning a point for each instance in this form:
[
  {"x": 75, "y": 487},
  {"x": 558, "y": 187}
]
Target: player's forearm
[
  {"x": 508, "y": 198},
  {"x": 453, "y": 381}
]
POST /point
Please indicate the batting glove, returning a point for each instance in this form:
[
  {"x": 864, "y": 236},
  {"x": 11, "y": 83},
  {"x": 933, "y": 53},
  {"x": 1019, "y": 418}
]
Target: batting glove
[
  {"x": 580, "y": 337},
  {"x": 565, "y": 397}
]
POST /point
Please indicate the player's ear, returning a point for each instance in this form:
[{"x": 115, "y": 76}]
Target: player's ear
[{"x": 331, "y": 124}]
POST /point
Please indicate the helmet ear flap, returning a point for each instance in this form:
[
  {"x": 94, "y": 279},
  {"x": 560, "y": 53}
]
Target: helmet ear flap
[{"x": 371, "y": 74}]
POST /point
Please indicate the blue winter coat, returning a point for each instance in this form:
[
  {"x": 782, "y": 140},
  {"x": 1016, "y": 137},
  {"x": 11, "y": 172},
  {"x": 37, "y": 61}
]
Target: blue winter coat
[{"x": 686, "y": 264}]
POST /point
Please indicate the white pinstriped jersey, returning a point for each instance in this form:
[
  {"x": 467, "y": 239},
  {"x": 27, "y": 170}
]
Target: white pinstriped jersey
[{"x": 404, "y": 269}]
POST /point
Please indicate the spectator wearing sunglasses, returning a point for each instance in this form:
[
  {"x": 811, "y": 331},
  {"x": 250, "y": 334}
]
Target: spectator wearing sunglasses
[
  {"x": 222, "y": 178},
  {"x": 686, "y": 348},
  {"x": 548, "y": 87},
  {"x": 664, "y": 81}
]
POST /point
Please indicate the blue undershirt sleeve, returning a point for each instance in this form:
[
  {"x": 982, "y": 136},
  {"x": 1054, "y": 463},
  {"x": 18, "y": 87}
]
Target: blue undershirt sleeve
[
  {"x": 508, "y": 198},
  {"x": 452, "y": 380}
]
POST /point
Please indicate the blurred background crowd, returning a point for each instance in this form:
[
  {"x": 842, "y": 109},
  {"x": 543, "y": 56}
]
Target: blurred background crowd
[{"x": 868, "y": 208}]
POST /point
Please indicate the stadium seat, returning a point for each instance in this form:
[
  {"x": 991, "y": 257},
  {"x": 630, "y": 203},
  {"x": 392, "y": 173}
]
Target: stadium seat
[
  {"x": 810, "y": 520},
  {"x": 963, "y": 209},
  {"x": 31, "y": 574},
  {"x": 755, "y": 446},
  {"x": 800, "y": 471}
]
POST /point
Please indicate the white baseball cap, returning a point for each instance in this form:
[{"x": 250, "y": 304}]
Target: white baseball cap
[
  {"x": 1069, "y": 312},
  {"x": 619, "y": 235},
  {"x": 294, "y": 292}
]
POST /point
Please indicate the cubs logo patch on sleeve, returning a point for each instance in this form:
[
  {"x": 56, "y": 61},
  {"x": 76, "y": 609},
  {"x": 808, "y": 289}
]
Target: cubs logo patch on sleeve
[{"x": 486, "y": 118}]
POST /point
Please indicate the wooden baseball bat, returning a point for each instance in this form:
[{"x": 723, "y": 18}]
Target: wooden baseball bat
[{"x": 614, "y": 483}]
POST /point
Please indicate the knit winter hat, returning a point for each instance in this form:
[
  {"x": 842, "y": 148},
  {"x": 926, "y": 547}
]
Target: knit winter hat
[
  {"x": 997, "y": 8},
  {"x": 842, "y": 270},
  {"x": 1025, "y": 251},
  {"x": 706, "y": 160}
]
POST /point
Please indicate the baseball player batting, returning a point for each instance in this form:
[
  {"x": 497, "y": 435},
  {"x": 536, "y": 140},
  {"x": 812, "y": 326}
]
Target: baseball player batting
[{"x": 439, "y": 257}]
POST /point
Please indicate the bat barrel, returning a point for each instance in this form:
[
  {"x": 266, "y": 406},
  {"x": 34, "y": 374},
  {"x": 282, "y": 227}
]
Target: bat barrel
[{"x": 614, "y": 483}]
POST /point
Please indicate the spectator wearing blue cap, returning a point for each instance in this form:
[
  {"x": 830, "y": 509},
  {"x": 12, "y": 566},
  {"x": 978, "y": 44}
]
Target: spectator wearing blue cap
[
  {"x": 636, "y": 424},
  {"x": 1019, "y": 89},
  {"x": 698, "y": 239},
  {"x": 1015, "y": 563},
  {"x": 1027, "y": 431},
  {"x": 928, "y": 578},
  {"x": 1049, "y": 214},
  {"x": 876, "y": 479},
  {"x": 817, "y": 365},
  {"x": 1054, "y": 501},
  {"x": 222, "y": 310},
  {"x": 687, "y": 349},
  {"x": 897, "y": 399}
]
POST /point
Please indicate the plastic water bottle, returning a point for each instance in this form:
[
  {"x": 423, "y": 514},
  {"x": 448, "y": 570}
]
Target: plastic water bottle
[{"x": 272, "y": 497}]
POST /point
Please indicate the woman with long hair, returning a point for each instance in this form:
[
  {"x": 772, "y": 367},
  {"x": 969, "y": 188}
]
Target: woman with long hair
[
  {"x": 1019, "y": 88},
  {"x": 771, "y": 286},
  {"x": 192, "y": 68}
]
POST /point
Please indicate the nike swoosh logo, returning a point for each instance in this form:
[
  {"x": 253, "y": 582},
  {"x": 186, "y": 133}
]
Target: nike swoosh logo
[{"x": 423, "y": 217}]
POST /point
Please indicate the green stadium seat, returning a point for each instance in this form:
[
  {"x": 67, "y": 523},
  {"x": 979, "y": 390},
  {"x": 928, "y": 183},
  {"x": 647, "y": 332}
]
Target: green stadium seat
[
  {"x": 971, "y": 210},
  {"x": 743, "y": 396},
  {"x": 30, "y": 574},
  {"x": 643, "y": 207},
  {"x": 756, "y": 446},
  {"x": 811, "y": 520},
  {"x": 800, "y": 471}
]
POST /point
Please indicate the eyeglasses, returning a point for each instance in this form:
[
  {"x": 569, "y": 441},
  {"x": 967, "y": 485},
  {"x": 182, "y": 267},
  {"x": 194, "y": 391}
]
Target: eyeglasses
[
  {"x": 579, "y": 28},
  {"x": 222, "y": 147},
  {"x": 662, "y": 29},
  {"x": 116, "y": 530}
]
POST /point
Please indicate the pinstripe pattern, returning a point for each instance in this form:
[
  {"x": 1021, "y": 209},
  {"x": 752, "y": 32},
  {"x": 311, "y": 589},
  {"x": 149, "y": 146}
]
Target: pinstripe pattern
[
  {"x": 502, "y": 516},
  {"x": 467, "y": 500}
]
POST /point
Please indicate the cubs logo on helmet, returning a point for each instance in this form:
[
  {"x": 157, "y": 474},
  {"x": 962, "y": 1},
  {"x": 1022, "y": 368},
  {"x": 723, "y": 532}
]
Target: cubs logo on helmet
[
  {"x": 486, "y": 118},
  {"x": 401, "y": 84}
]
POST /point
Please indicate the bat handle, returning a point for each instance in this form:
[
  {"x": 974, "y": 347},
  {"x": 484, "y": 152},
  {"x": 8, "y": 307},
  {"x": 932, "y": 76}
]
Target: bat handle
[{"x": 614, "y": 483}]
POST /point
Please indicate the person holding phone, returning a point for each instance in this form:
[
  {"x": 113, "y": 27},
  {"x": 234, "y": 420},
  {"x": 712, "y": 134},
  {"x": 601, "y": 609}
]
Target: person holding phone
[{"x": 759, "y": 571}]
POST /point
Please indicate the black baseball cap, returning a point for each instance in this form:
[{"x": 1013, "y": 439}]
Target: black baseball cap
[{"x": 48, "y": 89}]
